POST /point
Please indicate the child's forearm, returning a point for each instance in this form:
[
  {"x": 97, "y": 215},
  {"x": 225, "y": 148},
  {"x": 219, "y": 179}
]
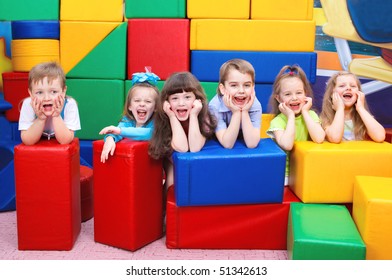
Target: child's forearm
[
  {"x": 62, "y": 133},
  {"x": 316, "y": 132},
  {"x": 179, "y": 141},
  {"x": 373, "y": 128},
  {"x": 251, "y": 134},
  {"x": 228, "y": 137},
  {"x": 34, "y": 133},
  {"x": 195, "y": 139},
  {"x": 285, "y": 139},
  {"x": 334, "y": 132}
]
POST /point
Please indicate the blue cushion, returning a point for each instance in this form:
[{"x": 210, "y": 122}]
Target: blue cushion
[
  {"x": 205, "y": 65},
  {"x": 219, "y": 176}
]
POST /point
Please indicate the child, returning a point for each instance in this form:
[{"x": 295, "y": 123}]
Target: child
[
  {"x": 291, "y": 101},
  {"x": 182, "y": 121},
  {"x": 235, "y": 105},
  {"x": 139, "y": 109},
  {"x": 48, "y": 112},
  {"x": 345, "y": 115}
]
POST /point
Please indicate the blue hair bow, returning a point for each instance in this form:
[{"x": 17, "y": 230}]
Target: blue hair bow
[{"x": 144, "y": 77}]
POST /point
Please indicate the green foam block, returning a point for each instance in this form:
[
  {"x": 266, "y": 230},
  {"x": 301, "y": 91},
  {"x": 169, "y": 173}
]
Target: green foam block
[
  {"x": 155, "y": 9},
  {"x": 323, "y": 232},
  {"x": 100, "y": 104},
  {"x": 29, "y": 10}
]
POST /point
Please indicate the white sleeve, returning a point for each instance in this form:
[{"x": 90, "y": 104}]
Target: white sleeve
[
  {"x": 71, "y": 115},
  {"x": 27, "y": 115}
]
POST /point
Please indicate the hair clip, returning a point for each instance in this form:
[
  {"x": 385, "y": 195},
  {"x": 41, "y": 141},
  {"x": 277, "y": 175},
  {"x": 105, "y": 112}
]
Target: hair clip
[
  {"x": 145, "y": 77},
  {"x": 291, "y": 73}
]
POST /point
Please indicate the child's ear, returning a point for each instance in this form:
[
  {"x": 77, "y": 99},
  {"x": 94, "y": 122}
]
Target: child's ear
[
  {"x": 31, "y": 95},
  {"x": 64, "y": 91},
  {"x": 222, "y": 88},
  {"x": 277, "y": 98}
]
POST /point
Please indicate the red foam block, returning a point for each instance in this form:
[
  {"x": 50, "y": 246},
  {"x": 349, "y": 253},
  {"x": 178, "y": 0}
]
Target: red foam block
[
  {"x": 388, "y": 135},
  {"x": 128, "y": 193},
  {"x": 47, "y": 195},
  {"x": 162, "y": 44},
  {"x": 15, "y": 89},
  {"x": 86, "y": 193},
  {"x": 252, "y": 226}
]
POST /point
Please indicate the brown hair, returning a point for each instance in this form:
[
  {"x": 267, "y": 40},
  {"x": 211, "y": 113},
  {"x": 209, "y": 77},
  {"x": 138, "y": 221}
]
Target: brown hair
[
  {"x": 328, "y": 113},
  {"x": 288, "y": 72},
  {"x": 160, "y": 143},
  {"x": 51, "y": 70},
  {"x": 240, "y": 65}
]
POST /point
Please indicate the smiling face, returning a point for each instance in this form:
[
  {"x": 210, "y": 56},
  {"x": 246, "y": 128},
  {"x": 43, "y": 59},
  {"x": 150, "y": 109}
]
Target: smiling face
[
  {"x": 47, "y": 93},
  {"x": 181, "y": 104},
  {"x": 238, "y": 86},
  {"x": 292, "y": 93},
  {"x": 347, "y": 87},
  {"x": 142, "y": 104}
]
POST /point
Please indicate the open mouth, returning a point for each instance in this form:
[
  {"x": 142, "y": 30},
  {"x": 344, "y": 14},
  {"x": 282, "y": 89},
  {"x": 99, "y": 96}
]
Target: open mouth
[
  {"x": 240, "y": 100},
  {"x": 347, "y": 95},
  {"x": 141, "y": 114},
  {"x": 295, "y": 106},
  {"x": 182, "y": 113},
  {"x": 47, "y": 107}
]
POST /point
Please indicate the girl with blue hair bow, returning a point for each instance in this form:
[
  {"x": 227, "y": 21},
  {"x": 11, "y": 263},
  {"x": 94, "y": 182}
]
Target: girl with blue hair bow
[{"x": 139, "y": 109}]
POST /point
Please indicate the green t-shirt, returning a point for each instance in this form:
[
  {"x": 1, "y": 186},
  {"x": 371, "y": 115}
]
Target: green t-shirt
[{"x": 301, "y": 131}]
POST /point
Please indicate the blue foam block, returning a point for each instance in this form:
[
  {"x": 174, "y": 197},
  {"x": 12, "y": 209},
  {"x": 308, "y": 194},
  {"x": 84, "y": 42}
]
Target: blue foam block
[
  {"x": 219, "y": 176},
  {"x": 263, "y": 93},
  {"x": 86, "y": 153},
  {"x": 7, "y": 176},
  {"x": 205, "y": 64}
]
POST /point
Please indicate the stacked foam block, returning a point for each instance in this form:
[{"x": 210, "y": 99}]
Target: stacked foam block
[
  {"x": 328, "y": 176},
  {"x": 229, "y": 198}
]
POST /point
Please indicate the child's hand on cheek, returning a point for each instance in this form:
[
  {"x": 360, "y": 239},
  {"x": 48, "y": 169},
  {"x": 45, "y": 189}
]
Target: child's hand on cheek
[
  {"x": 38, "y": 108},
  {"x": 227, "y": 99},
  {"x": 249, "y": 103},
  {"x": 284, "y": 109},
  {"x": 337, "y": 101},
  {"x": 196, "y": 107},
  {"x": 167, "y": 109},
  {"x": 360, "y": 100},
  {"x": 307, "y": 104},
  {"x": 58, "y": 105}
]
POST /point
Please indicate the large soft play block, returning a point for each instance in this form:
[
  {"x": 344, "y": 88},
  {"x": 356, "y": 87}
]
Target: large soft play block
[
  {"x": 205, "y": 65},
  {"x": 107, "y": 60},
  {"x": 372, "y": 212},
  {"x": 265, "y": 124},
  {"x": 35, "y": 29},
  {"x": 282, "y": 9},
  {"x": 47, "y": 195},
  {"x": 375, "y": 68},
  {"x": 155, "y": 9},
  {"x": 91, "y": 10},
  {"x": 29, "y": 10},
  {"x": 150, "y": 43},
  {"x": 26, "y": 53},
  {"x": 234, "y": 9},
  {"x": 272, "y": 35},
  {"x": 100, "y": 103},
  {"x": 325, "y": 172},
  {"x": 86, "y": 193},
  {"x": 216, "y": 176},
  {"x": 128, "y": 196},
  {"x": 388, "y": 135},
  {"x": 323, "y": 232},
  {"x": 252, "y": 226},
  {"x": 15, "y": 89},
  {"x": 93, "y": 49}
]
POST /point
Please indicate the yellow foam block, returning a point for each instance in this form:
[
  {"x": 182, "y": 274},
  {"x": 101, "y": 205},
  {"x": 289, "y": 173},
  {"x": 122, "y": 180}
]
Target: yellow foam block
[
  {"x": 239, "y": 9},
  {"x": 339, "y": 23},
  {"x": 26, "y": 53},
  {"x": 374, "y": 68},
  {"x": 265, "y": 124},
  {"x": 325, "y": 173},
  {"x": 253, "y": 35},
  {"x": 372, "y": 213},
  {"x": 91, "y": 10},
  {"x": 77, "y": 39},
  {"x": 282, "y": 9}
]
